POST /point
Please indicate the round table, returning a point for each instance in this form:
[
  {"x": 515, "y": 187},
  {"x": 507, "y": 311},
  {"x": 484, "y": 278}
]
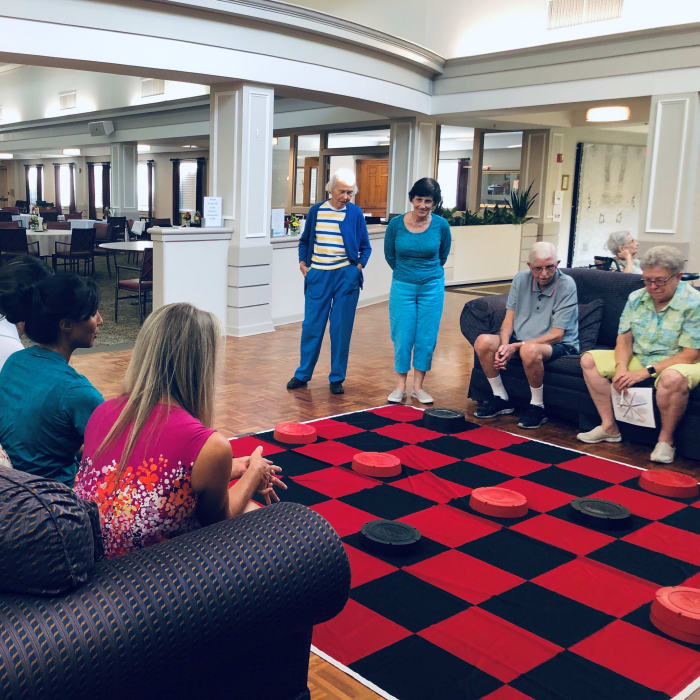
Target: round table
[
  {"x": 47, "y": 239},
  {"x": 128, "y": 246}
]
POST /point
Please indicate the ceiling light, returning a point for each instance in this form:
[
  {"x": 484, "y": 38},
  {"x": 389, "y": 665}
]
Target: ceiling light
[
  {"x": 143, "y": 148},
  {"x": 608, "y": 114},
  {"x": 6, "y": 156},
  {"x": 71, "y": 151}
]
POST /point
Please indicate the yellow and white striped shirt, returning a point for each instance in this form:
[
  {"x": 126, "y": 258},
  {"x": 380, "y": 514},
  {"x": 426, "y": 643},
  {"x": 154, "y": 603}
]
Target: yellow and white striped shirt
[{"x": 329, "y": 249}]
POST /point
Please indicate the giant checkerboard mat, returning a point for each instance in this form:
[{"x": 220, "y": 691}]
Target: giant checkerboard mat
[{"x": 537, "y": 607}]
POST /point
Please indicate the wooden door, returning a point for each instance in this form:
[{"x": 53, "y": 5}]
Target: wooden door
[{"x": 372, "y": 184}]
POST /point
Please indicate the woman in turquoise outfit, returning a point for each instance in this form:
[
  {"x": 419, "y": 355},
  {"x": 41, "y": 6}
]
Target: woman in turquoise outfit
[{"x": 416, "y": 246}]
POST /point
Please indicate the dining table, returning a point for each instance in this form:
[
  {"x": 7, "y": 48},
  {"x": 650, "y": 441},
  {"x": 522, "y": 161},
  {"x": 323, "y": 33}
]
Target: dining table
[
  {"x": 128, "y": 246},
  {"x": 47, "y": 239}
]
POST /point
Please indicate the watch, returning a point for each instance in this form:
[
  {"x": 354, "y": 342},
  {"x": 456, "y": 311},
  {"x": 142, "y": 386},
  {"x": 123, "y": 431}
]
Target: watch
[{"x": 651, "y": 370}]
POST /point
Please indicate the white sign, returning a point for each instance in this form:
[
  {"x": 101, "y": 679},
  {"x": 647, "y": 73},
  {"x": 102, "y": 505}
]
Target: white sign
[
  {"x": 635, "y": 406},
  {"x": 277, "y": 222},
  {"x": 212, "y": 211}
]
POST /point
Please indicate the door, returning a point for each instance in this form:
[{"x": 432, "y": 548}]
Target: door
[{"x": 372, "y": 182}]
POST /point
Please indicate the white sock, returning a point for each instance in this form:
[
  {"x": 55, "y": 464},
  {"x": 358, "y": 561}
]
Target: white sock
[
  {"x": 537, "y": 396},
  {"x": 498, "y": 388}
]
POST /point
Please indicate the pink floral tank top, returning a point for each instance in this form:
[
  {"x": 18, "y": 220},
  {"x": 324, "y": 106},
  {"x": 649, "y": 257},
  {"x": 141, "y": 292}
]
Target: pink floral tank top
[{"x": 154, "y": 499}]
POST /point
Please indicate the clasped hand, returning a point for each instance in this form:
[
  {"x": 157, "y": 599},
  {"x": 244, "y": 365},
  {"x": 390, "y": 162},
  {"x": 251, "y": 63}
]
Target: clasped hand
[
  {"x": 626, "y": 379},
  {"x": 503, "y": 354},
  {"x": 262, "y": 470}
]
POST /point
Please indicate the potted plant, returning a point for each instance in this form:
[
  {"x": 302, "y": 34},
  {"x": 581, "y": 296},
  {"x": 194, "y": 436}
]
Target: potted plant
[
  {"x": 107, "y": 212},
  {"x": 34, "y": 222},
  {"x": 520, "y": 204},
  {"x": 186, "y": 218},
  {"x": 197, "y": 218},
  {"x": 294, "y": 225}
]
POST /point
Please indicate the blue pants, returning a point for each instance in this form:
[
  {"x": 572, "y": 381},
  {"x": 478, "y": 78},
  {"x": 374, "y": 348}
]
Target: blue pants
[
  {"x": 334, "y": 293},
  {"x": 414, "y": 314}
]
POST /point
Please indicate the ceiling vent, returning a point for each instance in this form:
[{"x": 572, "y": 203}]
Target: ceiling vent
[
  {"x": 67, "y": 99},
  {"x": 152, "y": 86},
  {"x": 567, "y": 13}
]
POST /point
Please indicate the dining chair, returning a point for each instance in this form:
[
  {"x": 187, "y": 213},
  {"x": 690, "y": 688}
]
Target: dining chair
[
  {"x": 6, "y": 215},
  {"x": 10, "y": 224},
  {"x": 81, "y": 247},
  {"x": 137, "y": 287},
  {"x": 13, "y": 242},
  {"x": 104, "y": 234},
  {"x": 58, "y": 225},
  {"x": 74, "y": 215}
]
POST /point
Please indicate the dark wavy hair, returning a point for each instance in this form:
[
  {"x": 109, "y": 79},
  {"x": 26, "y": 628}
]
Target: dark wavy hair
[
  {"x": 427, "y": 187},
  {"x": 20, "y": 273},
  {"x": 42, "y": 305}
]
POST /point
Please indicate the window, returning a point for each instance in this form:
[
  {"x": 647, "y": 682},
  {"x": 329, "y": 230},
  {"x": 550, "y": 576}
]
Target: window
[
  {"x": 65, "y": 186},
  {"x": 308, "y": 148},
  {"x": 280, "y": 171},
  {"x": 142, "y": 186},
  {"x": 188, "y": 186},
  {"x": 32, "y": 184},
  {"x": 448, "y": 171},
  {"x": 97, "y": 175}
]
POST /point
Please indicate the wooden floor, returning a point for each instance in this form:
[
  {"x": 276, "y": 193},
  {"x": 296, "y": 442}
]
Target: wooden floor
[{"x": 251, "y": 396}]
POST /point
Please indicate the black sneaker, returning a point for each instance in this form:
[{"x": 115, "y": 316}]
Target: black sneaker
[
  {"x": 295, "y": 383},
  {"x": 532, "y": 417},
  {"x": 337, "y": 388},
  {"x": 495, "y": 406}
]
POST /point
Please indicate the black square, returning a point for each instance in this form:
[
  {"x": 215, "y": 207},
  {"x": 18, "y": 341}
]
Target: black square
[
  {"x": 686, "y": 519},
  {"x": 295, "y": 464},
  {"x": 570, "y": 676},
  {"x": 415, "y": 669},
  {"x": 463, "y": 504},
  {"x": 425, "y": 549},
  {"x": 387, "y": 501},
  {"x": 470, "y": 474},
  {"x": 521, "y": 555},
  {"x": 408, "y": 601},
  {"x": 640, "y": 618},
  {"x": 296, "y": 493},
  {"x": 651, "y": 566},
  {"x": 635, "y": 522},
  {"x": 541, "y": 452},
  {"x": 372, "y": 442},
  {"x": 567, "y": 481},
  {"x": 364, "y": 419},
  {"x": 454, "y": 447},
  {"x": 548, "y": 614}
]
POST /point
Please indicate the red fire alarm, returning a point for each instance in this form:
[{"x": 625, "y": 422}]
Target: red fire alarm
[{"x": 560, "y": 157}]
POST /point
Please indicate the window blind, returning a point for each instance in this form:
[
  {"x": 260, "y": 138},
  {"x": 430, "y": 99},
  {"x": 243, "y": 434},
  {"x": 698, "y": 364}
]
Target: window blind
[{"x": 188, "y": 185}]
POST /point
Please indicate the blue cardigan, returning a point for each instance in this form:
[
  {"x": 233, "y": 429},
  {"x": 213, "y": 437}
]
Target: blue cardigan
[{"x": 353, "y": 229}]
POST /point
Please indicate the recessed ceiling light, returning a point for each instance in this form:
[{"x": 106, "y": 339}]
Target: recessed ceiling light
[
  {"x": 143, "y": 148},
  {"x": 6, "y": 156},
  {"x": 608, "y": 114},
  {"x": 71, "y": 151}
]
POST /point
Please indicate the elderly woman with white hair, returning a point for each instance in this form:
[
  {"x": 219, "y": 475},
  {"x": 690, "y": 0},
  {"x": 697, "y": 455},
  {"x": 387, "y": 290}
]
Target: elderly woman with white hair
[
  {"x": 333, "y": 250},
  {"x": 658, "y": 337},
  {"x": 624, "y": 246}
]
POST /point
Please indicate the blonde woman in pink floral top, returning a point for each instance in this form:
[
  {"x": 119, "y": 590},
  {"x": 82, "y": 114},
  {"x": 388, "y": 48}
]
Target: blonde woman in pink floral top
[{"x": 150, "y": 462}]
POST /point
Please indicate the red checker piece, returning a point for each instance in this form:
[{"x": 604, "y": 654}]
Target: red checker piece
[
  {"x": 669, "y": 483},
  {"x": 674, "y": 632},
  {"x": 677, "y": 608},
  {"x": 498, "y": 502},
  {"x": 376, "y": 464},
  {"x": 295, "y": 433}
]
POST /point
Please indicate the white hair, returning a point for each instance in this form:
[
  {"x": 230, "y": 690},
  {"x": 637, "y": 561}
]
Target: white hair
[
  {"x": 616, "y": 240},
  {"x": 542, "y": 250},
  {"x": 344, "y": 175}
]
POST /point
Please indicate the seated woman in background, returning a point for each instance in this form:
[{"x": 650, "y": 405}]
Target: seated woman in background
[
  {"x": 44, "y": 403},
  {"x": 624, "y": 248},
  {"x": 151, "y": 461},
  {"x": 20, "y": 272}
]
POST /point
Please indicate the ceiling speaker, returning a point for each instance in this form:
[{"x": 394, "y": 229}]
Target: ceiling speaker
[{"x": 101, "y": 128}]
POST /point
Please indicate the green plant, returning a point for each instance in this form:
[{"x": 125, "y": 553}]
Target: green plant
[{"x": 520, "y": 204}]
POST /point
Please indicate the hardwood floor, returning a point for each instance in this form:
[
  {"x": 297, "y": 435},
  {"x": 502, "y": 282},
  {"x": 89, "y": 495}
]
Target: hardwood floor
[{"x": 251, "y": 396}]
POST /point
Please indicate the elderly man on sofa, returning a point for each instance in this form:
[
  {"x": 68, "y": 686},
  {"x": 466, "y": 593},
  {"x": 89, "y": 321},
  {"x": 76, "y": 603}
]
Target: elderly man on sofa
[
  {"x": 659, "y": 337},
  {"x": 541, "y": 324}
]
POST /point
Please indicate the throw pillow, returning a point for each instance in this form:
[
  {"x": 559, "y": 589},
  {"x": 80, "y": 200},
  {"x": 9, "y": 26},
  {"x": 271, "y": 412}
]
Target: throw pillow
[
  {"x": 46, "y": 537},
  {"x": 590, "y": 316}
]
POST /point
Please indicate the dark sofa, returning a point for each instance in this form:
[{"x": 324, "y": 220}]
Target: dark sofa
[
  {"x": 226, "y": 611},
  {"x": 565, "y": 392}
]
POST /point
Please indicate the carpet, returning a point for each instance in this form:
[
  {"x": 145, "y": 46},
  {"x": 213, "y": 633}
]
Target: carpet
[
  {"x": 538, "y": 607},
  {"x": 481, "y": 290}
]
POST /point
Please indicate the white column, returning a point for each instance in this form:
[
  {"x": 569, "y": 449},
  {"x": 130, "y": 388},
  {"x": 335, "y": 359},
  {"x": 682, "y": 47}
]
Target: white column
[
  {"x": 413, "y": 155},
  {"x": 123, "y": 196},
  {"x": 240, "y": 172},
  {"x": 670, "y": 207}
]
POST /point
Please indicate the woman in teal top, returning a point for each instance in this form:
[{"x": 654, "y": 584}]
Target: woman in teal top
[
  {"x": 416, "y": 246},
  {"x": 44, "y": 403}
]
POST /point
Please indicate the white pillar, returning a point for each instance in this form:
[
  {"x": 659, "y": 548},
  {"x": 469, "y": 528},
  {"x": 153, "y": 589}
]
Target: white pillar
[
  {"x": 670, "y": 207},
  {"x": 123, "y": 195},
  {"x": 240, "y": 172},
  {"x": 413, "y": 155}
]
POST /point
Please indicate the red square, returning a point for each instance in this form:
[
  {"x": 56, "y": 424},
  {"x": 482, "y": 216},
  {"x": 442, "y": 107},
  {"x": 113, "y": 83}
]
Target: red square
[
  {"x": 399, "y": 413},
  {"x": 539, "y": 497},
  {"x": 332, "y": 429},
  {"x": 598, "y": 468},
  {"x": 431, "y": 486},
  {"x": 466, "y": 577},
  {"x": 344, "y": 518},
  {"x": 560, "y": 533},
  {"x": 329, "y": 451},
  {"x": 407, "y": 432},
  {"x": 641, "y": 503},
  {"x": 668, "y": 540},
  {"x": 356, "y": 632},
  {"x": 490, "y": 437},
  {"x": 645, "y": 657},
  {"x": 505, "y": 692},
  {"x": 245, "y": 446},
  {"x": 450, "y": 526},
  {"x": 335, "y": 482},
  {"x": 693, "y": 581},
  {"x": 507, "y": 463},
  {"x": 494, "y": 645},
  {"x": 419, "y": 458},
  {"x": 364, "y": 567},
  {"x": 601, "y": 587}
]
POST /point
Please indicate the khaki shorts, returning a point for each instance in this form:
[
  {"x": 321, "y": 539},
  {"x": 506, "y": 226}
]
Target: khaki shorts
[{"x": 605, "y": 364}]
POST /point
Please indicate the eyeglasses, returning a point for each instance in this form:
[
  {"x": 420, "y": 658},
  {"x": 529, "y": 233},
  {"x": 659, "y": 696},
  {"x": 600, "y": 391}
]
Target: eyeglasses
[
  {"x": 545, "y": 268},
  {"x": 657, "y": 282}
]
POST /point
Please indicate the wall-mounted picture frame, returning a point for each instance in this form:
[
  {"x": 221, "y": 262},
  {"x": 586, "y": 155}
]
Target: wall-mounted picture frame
[{"x": 564, "y": 182}]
